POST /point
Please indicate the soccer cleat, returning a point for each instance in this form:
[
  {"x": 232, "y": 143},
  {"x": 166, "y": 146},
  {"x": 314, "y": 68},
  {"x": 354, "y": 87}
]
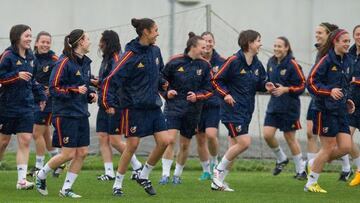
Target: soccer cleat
[
  {"x": 301, "y": 176},
  {"x": 176, "y": 180},
  {"x": 356, "y": 180},
  {"x": 227, "y": 187},
  {"x": 69, "y": 193},
  {"x": 118, "y": 192},
  {"x": 218, "y": 178},
  {"x": 33, "y": 171},
  {"x": 345, "y": 176},
  {"x": 205, "y": 176},
  {"x": 217, "y": 188},
  {"x": 41, "y": 186},
  {"x": 279, "y": 167},
  {"x": 164, "y": 180},
  {"x": 146, "y": 184},
  {"x": 58, "y": 170},
  {"x": 24, "y": 185},
  {"x": 136, "y": 173},
  {"x": 315, "y": 187},
  {"x": 105, "y": 177}
]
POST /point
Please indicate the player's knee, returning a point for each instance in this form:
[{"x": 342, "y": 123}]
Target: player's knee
[
  {"x": 69, "y": 155},
  {"x": 346, "y": 149},
  {"x": 268, "y": 136},
  {"x": 4, "y": 142},
  {"x": 83, "y": 153}
]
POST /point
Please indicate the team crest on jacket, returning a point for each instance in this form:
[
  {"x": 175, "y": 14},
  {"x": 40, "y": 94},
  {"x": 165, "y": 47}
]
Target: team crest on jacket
[
  {"x": 45, "y": 69},
  {"x": 270, "y": 69},
  {"x": 334, "y": 68},
  {"x": 181, "y": 69},
  {"x": 140, "y": 65},
  {"x": 257, "y": 72},
  {"x": 1, "y": 125},
  {"x": 199, "y": 71},
  {"x": 66, "y": 140},
  {"x": 215, "y": 69},
  {"x": 133, "y": 129},
  {"x": 18, "y": 63},
  {"x": 242, "y": 71},
  {"x": 78, "y": 73},
  {"x": 238, "y": 128},
  {"x": 32, "y": 63},
  {"x": 283, "y": 72},
  {"x": 348, "y": 70},
  {"x": 157, "y": 61},
  {"x": 325, "y": 129}
]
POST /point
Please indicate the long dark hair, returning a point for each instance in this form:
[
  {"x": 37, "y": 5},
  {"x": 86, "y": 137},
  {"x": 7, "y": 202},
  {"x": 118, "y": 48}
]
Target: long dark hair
[
  {"x": 247, "y": 37},
  {"x": 192, "y": 41},
  {"x": 42, "y": 33},
  {"x": 111, "y": 42},
  {"x": 71, "y": 42},
  {"x": 15, "y": 35},
  {"x": 334, "y": 36},
  {"x": 141, "y": 24},
  {"x": 328, "y": 27},
  {"x": 287, "y": 44}
]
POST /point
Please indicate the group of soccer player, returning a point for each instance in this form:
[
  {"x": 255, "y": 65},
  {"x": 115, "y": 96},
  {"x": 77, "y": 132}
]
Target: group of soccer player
[{"x": 199, "y": 87}]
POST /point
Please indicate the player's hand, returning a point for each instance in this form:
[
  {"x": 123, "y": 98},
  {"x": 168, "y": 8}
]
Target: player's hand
[
  {"x": 110, "y": 111},
  {"x": 336, "y": 93},
  {"x": 82, "y": 89},
  {"x": 94, "y": 97},
  {"x": 25, "y": 75},
  {"x": 191, "y": 96},
  {"x": 350, "y": 106},
  {"x": 229, "y": 100},
  {"x": 171, "y": 94}
]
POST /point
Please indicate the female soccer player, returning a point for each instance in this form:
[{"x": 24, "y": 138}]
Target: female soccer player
[
  {"x": 108, "y": 126},
  {"x": 133, "y": 86},
  {"x": 17, "y": 98},
  {"x": 287, "y": 82},
  {"x": 207, "y": 136},
  {"x": 69, "y": 88},
  {"x": 237, "y": 82},
  {"x": 329, "y": 83},
  {"x": 188, "y": 75},
  {"x": 43, "y": 64},
  {"x": 354, "y": 53}
]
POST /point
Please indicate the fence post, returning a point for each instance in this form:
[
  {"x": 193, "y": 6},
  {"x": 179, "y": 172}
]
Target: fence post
[
  {"x": 171, "y": 27},
  {"x": 208, "y": 17}
]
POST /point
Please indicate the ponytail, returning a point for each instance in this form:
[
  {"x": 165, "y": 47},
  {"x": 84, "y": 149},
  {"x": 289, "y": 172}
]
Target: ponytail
[
  {"x": 71, "y": 42},
  {"x": 141, "y": 24},
  {"x": 192, "y": 41}
]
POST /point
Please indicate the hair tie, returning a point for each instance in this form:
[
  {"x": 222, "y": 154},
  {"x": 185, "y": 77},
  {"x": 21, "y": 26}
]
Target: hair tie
[
  {"x": 81, "y": 36},
  {"x": 341, "y": 32}
]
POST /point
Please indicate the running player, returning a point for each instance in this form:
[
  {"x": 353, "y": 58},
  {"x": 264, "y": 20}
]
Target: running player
[
  {"x": 108, "y": 126},
  {"x": 329, "y": 83},
  {"x": 69, "y": 88},
  {"x": 17, "y": 98},
  {"x": 134, "y": 86},
  {"x": 207, "y": 135},
  {"x": 237, "y": 81},
  {"x": 287, "y": 82},
  {"x": 188, "y": 75}
]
